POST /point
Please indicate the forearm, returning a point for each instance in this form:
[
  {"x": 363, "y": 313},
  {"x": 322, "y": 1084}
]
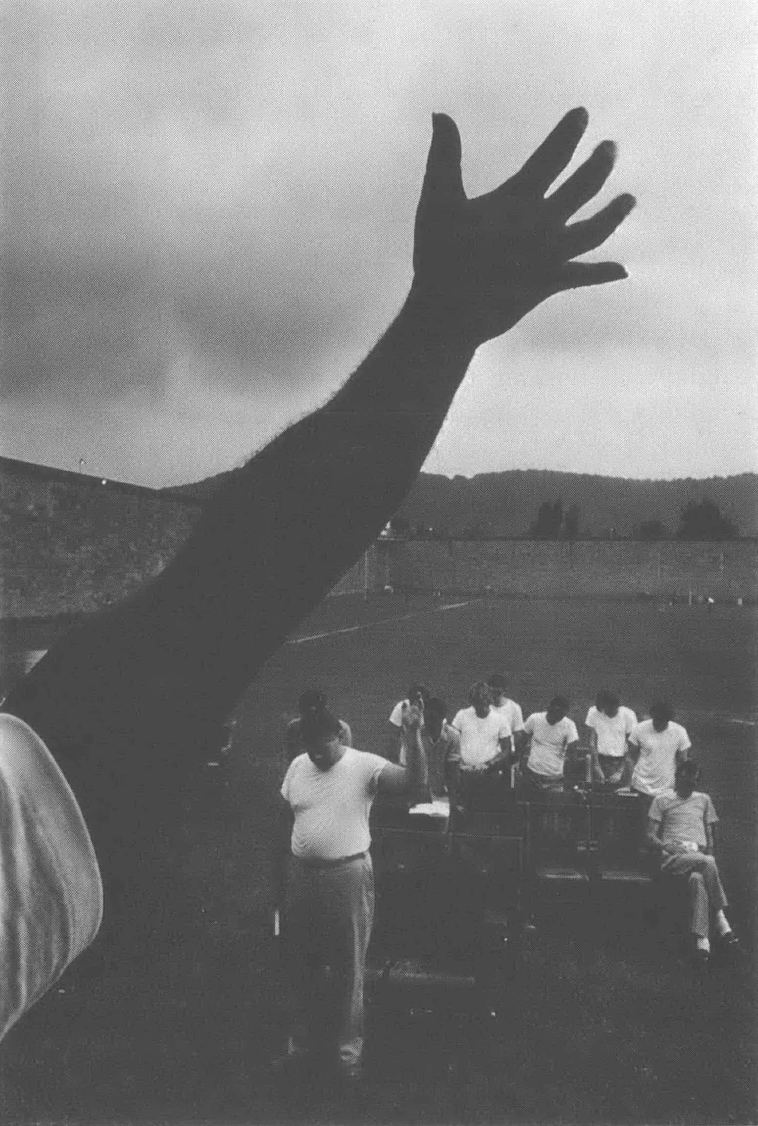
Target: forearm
[
  {"x": 269, "y": 545},
  {"x": 302, "y": 511},
  {"x": 416, "y": 767}
]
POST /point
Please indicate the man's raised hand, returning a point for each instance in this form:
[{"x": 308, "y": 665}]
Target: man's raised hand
[
  {"x": 491, "y": 259},
  {"x": 412, "y": 716}
]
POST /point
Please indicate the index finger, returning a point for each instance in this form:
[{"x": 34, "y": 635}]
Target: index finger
[{"x": 553, "y": 155}]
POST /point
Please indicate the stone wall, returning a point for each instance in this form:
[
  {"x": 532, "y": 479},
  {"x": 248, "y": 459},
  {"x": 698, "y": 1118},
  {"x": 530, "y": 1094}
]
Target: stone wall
[
  {"x": 70, "y": 543},
  {"x": 585, "y": 568}
]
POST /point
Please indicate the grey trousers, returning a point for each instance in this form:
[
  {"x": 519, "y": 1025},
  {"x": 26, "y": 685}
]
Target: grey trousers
[
  {"x": 706, "y": 894},
  {"x": 328, "y": 919}
]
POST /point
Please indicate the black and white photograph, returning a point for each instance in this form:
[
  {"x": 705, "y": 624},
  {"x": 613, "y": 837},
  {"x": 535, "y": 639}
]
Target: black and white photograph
[{"x": 379, "y": 563}]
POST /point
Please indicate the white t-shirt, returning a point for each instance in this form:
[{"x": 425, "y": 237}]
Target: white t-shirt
[
  {"x": 511, "y": 711},
  {"x": 480, "y": 737},
  {"x": 611, "y": 731},
  {"x": 396, "y": 715},
  {"x": 51, "y": 895},
  {"x": 332, "y": 807},
  {"x": 683, "y": 820},
  {"x": 549, "y": 743},
  {"x": 656, "y": 766}
]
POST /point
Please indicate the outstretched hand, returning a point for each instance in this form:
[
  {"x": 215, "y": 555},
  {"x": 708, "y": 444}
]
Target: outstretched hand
[{"x": 493, "y": 258}]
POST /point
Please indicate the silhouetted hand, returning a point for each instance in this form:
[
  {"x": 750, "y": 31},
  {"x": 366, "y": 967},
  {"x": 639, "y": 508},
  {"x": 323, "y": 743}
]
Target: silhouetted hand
[{"x": 493, "y": 258}]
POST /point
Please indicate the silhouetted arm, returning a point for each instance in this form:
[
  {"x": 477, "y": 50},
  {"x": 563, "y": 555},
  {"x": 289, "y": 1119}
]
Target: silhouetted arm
[{"x": 135, "y": 687}]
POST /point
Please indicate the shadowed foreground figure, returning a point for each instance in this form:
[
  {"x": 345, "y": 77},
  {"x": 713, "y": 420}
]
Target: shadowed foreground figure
[{"x": 126, "y": 703}]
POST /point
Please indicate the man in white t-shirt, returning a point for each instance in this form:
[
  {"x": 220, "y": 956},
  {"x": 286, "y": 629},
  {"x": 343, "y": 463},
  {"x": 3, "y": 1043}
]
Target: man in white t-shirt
[
  {"x": 330, "y": 885},
  {"x": 610, "y": 725},
  {"x": 656, "y": 747},
  {"x": 681, "y": 829},
  {"x": 553, "y": 738},
  {"x": 418, "y": 694},
  {"x": 485, "y": 750},
  {"x": 509, "y": 709}
]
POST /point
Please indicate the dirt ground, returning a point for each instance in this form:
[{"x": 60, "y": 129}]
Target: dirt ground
[{"x": 602, "y": 1022}]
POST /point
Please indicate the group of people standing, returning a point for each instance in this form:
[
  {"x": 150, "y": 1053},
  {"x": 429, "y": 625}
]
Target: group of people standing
[{"x": 490, "y": 736}]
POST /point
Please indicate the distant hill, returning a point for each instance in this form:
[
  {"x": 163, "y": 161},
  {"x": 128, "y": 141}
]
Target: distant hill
[{"x": 505, "y": 504}]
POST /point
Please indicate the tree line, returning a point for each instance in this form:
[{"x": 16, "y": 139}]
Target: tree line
[{"x": 698, "y": 520}]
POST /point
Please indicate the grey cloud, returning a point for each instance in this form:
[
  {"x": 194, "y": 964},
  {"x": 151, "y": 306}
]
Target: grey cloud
[{"x": 235, "y": 182}]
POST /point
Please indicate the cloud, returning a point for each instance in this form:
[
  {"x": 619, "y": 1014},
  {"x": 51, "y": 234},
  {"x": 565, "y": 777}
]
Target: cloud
[{"x": 227, "y": 189}]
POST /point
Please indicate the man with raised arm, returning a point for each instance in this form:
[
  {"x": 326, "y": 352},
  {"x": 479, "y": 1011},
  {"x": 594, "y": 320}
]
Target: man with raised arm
[
  {"x": 122, "y": 704},
  {"x": 329, "y": 910}
]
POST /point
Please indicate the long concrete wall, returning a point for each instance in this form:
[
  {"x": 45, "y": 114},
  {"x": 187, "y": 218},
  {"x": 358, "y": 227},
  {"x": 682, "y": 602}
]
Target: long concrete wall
[
  {"x": 586, "y": 568},
  {"x": 70, "y": 543}
]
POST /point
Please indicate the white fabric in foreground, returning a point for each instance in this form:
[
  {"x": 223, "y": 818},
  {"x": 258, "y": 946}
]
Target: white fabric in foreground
[{"x": 51, "y": 895}]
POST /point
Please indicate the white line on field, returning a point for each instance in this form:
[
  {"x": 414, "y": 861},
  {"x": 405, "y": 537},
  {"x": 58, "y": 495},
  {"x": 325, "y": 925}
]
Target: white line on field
[
  {"x": 745, "y": 722},
  {"x": 380, "y": 622}
]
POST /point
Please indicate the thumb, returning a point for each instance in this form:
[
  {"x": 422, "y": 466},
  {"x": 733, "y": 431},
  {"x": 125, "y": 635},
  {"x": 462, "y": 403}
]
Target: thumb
[{"x": 443, "y": 183}]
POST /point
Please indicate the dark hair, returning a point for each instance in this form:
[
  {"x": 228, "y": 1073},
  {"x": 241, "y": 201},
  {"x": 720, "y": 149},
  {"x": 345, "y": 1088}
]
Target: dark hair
[
  {"x": 607, "y": 701},
  {"x": 498, "y": 682},
  {"x": 688, "y": 770},
  {"x": 418, "y": 690},
  {"x": 319, "y": 724},
  {"x": 662, "y": 711},
  {"x": 312, "y": 700},
  {"x": 478, "y": 688},
  {"x": 435, "y": 707},
  {"x": 558, "y": 704}
]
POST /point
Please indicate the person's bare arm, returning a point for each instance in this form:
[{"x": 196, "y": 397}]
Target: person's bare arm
[
  {"x": 654, "y": 835},
  {"x": 503, "y": 756},
  {"x": 597, "y": 772},
  {"x": 407, "y": 779},
  {"x": 122, "y": 701}
]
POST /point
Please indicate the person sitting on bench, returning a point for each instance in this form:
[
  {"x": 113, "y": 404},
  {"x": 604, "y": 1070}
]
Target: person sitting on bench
[{"x": 681, "y": 830}]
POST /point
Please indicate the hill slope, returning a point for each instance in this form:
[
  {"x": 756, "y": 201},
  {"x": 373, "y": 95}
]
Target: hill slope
[{"x": 505, "y": 504}]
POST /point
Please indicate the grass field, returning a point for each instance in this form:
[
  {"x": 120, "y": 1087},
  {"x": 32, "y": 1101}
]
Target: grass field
[{"x": 614, "y": 1031}]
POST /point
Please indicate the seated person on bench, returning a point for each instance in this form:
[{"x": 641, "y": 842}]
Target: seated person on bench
[
  {"x": 486, "y": 746},
  {"x": 553, "y": 738},
  {"x": 610, "y": 726},
  {"x": 681, "y": 830}
]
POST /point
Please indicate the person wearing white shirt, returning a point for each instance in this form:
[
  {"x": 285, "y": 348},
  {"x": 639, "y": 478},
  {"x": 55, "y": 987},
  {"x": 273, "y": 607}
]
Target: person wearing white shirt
[
  {"x": 552, "y": 738},
  {"x": 509, "y": 709},
  {"x": 610, "y": 725},
  {"x": 656, "y": 747},
  {"x": 418, "y": 694},
  {"x": 329, "y": 894},
  {"x": 681, "y": 829},
  {"x": 485, "y": 750}
]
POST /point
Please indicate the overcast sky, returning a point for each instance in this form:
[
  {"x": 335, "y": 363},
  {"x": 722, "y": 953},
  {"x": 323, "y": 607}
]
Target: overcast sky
[{"x": 208, "y": 212}]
